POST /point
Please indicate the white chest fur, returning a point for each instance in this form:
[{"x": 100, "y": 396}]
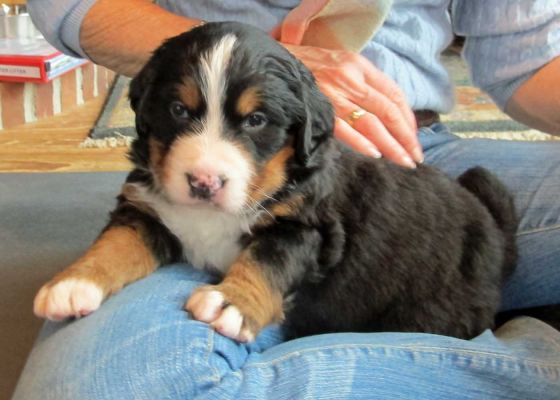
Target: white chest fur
[{"x": 210, "y": 237}]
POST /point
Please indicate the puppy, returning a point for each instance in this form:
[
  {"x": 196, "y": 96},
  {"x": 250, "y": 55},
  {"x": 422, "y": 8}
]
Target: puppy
[{"x": 237, "y": 172}]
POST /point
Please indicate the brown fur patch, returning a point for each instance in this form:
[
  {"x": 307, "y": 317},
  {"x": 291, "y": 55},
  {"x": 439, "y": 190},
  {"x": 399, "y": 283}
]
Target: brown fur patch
[
  {"x": 157, "y": 159},
  {"x": 272, "y": 176},
  {"x": 286, "y": 208},
  {"x": 249, "y": 101},
  {"x": 189, "y": 93},
  {"x": 247, "y": 288},
  {"x": 156, "y": 154},
  {"x": 119, "y": 256}
]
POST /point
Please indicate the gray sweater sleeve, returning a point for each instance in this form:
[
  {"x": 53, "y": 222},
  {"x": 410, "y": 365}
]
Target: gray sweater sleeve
[{"x": 59, "y": 21}]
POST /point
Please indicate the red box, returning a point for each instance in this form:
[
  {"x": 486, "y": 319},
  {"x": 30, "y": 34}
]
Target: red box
[{"x": 33, "y": 60}]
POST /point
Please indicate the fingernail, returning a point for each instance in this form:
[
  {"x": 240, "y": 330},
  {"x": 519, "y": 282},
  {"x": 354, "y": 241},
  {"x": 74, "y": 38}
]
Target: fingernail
[
  {"x": 418, "y": 155},
  {"x": 374, "y": 152},
  {"x": 407, "y": 162}
]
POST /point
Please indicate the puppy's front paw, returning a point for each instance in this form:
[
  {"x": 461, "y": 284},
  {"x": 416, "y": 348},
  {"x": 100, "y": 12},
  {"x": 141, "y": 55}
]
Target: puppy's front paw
[
  {"x": 213, "y": 305},
  {"x": 70, "y": 297}
]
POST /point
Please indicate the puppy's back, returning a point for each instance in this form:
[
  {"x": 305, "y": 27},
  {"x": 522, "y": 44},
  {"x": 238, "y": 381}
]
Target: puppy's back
[{"x": 422, "y": 252}]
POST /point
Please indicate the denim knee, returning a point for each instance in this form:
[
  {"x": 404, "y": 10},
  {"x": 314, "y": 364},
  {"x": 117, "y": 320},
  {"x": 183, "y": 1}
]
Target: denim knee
[{"x": 140, "y": 344}]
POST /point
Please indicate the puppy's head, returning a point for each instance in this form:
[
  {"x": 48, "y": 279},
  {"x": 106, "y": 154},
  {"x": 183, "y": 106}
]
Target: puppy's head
[{"x": 224, "y": 114}]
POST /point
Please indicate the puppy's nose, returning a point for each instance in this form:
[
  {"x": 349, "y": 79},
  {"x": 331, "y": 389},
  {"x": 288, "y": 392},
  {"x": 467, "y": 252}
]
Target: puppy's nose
[{"x": 205, "y": 186}]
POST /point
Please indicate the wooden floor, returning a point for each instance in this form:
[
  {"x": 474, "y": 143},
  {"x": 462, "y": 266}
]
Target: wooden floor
[{"x": 53, "y": 145}]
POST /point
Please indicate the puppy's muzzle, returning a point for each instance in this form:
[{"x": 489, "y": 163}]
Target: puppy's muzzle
[{"x": 205, "y": 186}]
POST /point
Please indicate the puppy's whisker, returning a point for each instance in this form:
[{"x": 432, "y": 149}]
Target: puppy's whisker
[
  {"x": 261, "y": 191},
  {"x": 256, "y": 206},
  {"x": 265, "y": 210},
  {"x": 249, "y": 205}
]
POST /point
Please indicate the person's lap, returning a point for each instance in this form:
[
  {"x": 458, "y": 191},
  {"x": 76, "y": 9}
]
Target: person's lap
[{"x": 141, "y": 345}]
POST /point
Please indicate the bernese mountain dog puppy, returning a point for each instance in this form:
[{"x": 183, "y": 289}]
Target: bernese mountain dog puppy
[{"x": 236, "y": 171}]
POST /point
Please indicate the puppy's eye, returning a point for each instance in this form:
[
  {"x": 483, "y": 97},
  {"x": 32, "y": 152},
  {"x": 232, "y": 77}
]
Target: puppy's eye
[
  {"x": 178, "y": 110},
  {"x": 255, "y": 121}
]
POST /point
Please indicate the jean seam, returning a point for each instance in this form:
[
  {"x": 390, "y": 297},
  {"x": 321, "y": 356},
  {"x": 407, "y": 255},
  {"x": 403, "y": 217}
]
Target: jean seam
[
  {"x": 425, "y": 349},
  {"x": 216, "y": 377},
  {"x": 539, "y": 230}
]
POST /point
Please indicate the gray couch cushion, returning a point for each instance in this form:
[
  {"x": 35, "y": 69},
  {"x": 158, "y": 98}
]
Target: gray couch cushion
[{"x": 46, "y": 221}]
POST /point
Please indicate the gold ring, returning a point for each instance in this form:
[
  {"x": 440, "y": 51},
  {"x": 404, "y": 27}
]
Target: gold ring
[{"x": 355, "y": 115}]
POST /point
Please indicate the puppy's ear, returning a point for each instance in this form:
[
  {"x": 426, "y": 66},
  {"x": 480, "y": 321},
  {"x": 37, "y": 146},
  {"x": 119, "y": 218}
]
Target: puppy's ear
[
  {"x": 316, "y": 118},
  {"x": 312, "y": 113},
  {"x": 139, "y": 87}
]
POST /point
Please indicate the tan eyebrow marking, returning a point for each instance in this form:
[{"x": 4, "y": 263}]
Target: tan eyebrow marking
[
  {"x": 248, "y": 101},
  {"x": 189, "y": 92}
]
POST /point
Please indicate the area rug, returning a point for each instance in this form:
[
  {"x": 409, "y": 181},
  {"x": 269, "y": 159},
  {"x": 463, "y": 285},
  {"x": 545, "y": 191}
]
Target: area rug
[
  {"x": 114, "y": 126},
  {"x": 474, "y": 115}
]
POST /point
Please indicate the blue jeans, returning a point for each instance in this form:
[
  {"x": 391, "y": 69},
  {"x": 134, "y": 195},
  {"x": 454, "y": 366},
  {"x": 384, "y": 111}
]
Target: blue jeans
[{"x": 141, "y": 345}]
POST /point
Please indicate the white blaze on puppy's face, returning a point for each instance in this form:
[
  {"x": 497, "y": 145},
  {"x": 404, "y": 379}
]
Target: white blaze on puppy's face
[{"x": 206, "y": 152}]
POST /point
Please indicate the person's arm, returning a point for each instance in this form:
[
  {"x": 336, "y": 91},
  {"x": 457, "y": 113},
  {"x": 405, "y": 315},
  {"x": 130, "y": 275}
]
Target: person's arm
[
  {"x": 122, "y": 34},
  {"x": 513, "y": 52},
  {"x": 117, "y": 34},
  {"x": 536, "y": 102}
]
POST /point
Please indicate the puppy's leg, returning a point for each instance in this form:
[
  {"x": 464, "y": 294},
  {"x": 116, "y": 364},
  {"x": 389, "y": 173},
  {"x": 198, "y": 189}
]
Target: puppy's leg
[
  {"x": 252, "y": 293},
  {"x": 242, "y": 304},
  {"x": 117, "y": 257}
]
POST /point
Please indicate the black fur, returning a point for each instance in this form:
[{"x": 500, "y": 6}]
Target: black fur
[
  {"x": 376, "y": 247},
  {"x": 420, "y": 253}
]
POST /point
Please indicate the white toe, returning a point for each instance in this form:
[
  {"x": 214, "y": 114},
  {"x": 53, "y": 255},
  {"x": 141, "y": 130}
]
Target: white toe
[
  {"x": 206, "y": 306},
  {"x": 68, "y": 298},
  {"x": 246, "y": 336},
  {"x": 229, "y": 323}
]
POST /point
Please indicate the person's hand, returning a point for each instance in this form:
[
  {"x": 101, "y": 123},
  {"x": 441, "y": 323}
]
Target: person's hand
[{"x": 386, "y": 126}]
